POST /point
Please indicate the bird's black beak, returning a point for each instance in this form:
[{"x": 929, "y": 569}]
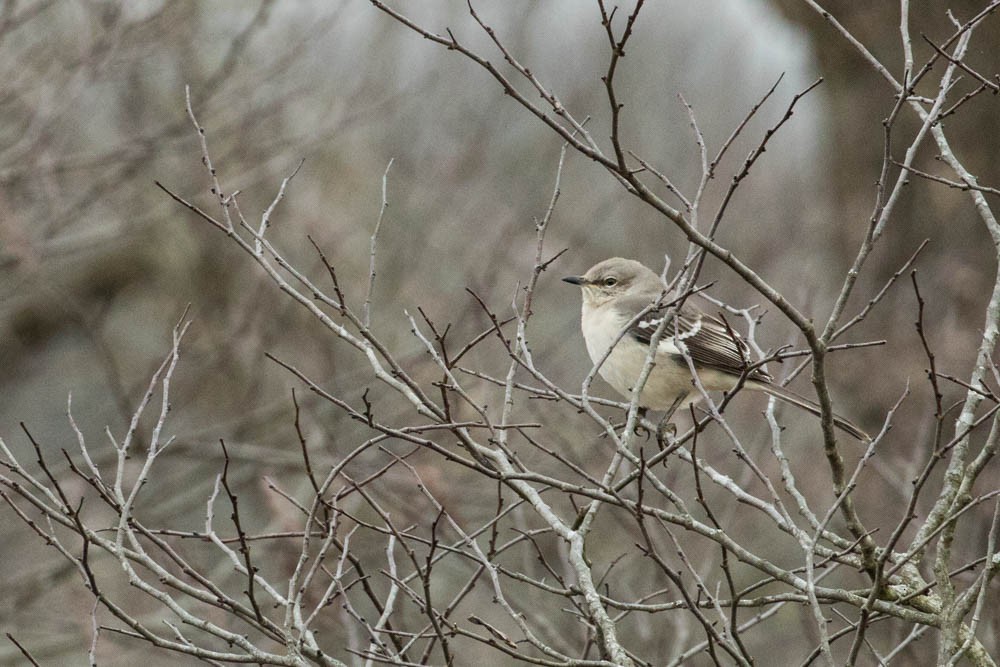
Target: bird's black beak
[{"x": 575, "y": 280}]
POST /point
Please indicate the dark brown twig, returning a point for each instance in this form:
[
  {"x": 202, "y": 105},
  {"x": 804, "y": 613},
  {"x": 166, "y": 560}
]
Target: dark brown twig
[{"x": 244, "y": 545}]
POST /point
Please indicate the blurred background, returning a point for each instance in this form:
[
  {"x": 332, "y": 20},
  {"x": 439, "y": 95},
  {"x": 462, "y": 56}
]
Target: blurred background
[{"x": 97, "y": 264}]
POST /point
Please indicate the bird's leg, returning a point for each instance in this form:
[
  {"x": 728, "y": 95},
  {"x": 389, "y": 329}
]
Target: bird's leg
[
  {"x": 673, "y": 406},
  {"x": 666, "y": 427}
]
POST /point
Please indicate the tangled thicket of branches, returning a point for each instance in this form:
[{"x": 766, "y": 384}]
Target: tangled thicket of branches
[{"x": 451, "y": 525}]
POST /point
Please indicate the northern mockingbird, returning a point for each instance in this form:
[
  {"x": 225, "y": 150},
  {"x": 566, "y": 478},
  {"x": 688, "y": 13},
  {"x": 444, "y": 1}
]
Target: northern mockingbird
[{"x": 615, "y": 291}]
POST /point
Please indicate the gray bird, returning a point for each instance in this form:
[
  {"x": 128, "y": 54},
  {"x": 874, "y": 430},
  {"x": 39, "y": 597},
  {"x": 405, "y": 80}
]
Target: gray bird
[{"x": 615, "y": 291}]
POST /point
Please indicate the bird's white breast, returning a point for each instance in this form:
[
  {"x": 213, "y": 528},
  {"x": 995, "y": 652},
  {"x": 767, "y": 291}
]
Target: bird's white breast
[{"x": 602, "y": 328}]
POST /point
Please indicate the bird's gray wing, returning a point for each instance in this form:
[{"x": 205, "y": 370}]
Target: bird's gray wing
[{"x": 709, "y": 341}]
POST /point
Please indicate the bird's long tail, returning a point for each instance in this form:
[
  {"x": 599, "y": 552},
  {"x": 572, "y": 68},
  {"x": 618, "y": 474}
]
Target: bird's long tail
[{"x": 811, "y": 406}]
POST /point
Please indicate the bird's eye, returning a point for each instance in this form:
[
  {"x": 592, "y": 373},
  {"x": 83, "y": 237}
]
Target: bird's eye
[{"x": 610, "y": 282}]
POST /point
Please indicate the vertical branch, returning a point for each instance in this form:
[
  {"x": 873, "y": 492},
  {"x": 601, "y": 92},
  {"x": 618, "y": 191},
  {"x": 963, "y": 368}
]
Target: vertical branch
[
  {"x": 95, "y": 631},
  {"x": 162, "y": 378},
  {"x": 932, "y": 374},
  {"x": 241, "y": 534},
  {"x": 366, "y": 314},
  {"x": 955, "y": 478},
  {"x": 617, "y": 53},
  {"x": 265, "y": 219},
  {"x": 216, "y": 187},
  {"x": 390, "y": 598}
]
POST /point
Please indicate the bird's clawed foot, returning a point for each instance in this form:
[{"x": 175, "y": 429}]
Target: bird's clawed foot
[{"x": 639, "y": 429}]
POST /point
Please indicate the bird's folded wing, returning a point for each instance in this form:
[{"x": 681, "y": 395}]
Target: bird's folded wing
[{"x": 707, "y": 339}]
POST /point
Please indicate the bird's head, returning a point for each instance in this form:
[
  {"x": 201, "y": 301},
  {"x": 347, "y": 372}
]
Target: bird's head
[{"x": 614, "y": 278}]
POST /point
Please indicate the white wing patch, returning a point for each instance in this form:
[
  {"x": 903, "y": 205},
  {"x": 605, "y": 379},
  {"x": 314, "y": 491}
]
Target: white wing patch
[
  {"x": 652, "y": 324},
  {"x": 669, "y": 344}
]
